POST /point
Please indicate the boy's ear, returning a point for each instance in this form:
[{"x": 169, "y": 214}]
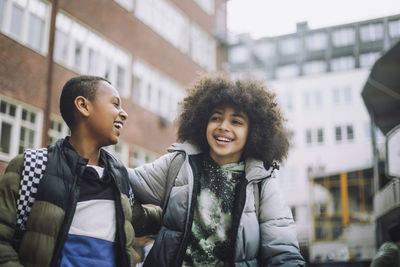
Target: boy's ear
[{"x": 82, "y": 105}]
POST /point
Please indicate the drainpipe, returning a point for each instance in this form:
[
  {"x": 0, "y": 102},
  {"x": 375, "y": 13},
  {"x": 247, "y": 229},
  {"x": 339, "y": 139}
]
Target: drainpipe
[
  {"x": 47, "y": 112},
  {"x": 375, "y": 153}
]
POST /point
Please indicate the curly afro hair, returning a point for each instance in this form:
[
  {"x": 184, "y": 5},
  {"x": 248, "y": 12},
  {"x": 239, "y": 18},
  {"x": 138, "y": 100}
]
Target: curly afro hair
[{"x": 267, "y": 138}]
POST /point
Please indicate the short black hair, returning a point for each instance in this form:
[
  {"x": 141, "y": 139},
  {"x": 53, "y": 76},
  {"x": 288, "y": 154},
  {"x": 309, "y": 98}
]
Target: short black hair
[
  {"x": 267, "y": 139},
  {"x": 83, "y": 85}
]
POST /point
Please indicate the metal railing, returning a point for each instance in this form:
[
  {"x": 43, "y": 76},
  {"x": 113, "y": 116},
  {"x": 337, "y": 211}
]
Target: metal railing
[{"x": 387, "y": 198}]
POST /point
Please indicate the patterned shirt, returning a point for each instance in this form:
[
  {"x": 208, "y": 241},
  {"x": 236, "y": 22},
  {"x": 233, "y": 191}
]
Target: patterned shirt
[{"x": 210, "y": 243}]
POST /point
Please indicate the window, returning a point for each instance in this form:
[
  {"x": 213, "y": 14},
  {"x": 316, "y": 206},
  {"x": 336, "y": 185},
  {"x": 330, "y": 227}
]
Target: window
[
  {"x": 155, "y": 91},
  {"x": 328, "y": 212},
  {"x": 348, "y": 129},
  {"x": 120, "y": 151},
  {"x": 342, "y": 63},
  {"x": 78, "y": 55},
  {"x": 336, "y": 96},
  {"x": 368, "y": 59},
  {"x": 394, "y": 28},
  {"x": 137, "y": 88},
  {"x": 127, "y": 4},
  {"x": 17, "y": 13},
  {"x": 1, "y": 12},
  {"x": 316, "y": 41},
  {"x": 265, "y": 50},
  {"x": 239, "y": 54},
  {"x": 92, "y": 62},
  {"x": 350, "y": 132},
  {"x": 61, "y": 46},
  {"x": 308, "y": 136},
  {"x": 347, "y": 95},
  {"x": 120, "y": 77},
  {"x": 289, "y": 46},
  {"x": 287, "y": 71},
  {"x": 175, "y": 27},
  {"x": 312, "y": 99},
  {"x": 84, "y": 51},
  {"x": 342, "y": 96},
  {"x": 206, "y": 5},
  {"x": 20, "y": 128},
  {"x": 27, "y": 22},
  {"x": 314, "y": 67},
  {"x": 202, "y": 48},
  {"x": 371, "y": 32},
  {"x": 343, "y": 37},
  {"x": 58, "y": 129},
  {"x": 315, "y": 136},
  {"x": 36, "y": 31},
  {"x": 307, "y": 100},
  {"x": 338, "y": 134},
  {"x": 141, "y": 156},
  {"x": 320, "y": 135}
]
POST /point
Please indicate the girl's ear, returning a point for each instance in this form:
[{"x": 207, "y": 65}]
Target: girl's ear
[{"x": 82, "y": 105}]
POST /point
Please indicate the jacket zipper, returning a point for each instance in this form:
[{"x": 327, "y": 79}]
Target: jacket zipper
[
  {"x": 185, "y": 238},
  {"x": 235, "y": 231},
  {"x": 120, "y": 220},
  {"x": 75, "y": 189}
]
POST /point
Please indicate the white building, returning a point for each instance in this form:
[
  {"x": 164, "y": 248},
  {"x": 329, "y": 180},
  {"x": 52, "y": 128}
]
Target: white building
[{"x": 318, "y": 76}]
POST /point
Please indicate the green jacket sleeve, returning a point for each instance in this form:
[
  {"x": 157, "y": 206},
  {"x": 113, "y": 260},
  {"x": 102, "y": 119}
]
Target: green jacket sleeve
[
  {"x": 388, "y": 255},
  {"x": 146, "y": 219},
  {"x": 9, "y": 186}
]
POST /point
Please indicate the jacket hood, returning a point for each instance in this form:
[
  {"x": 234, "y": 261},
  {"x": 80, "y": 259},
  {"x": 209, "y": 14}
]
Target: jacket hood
[{"x": 254, "y": 168}]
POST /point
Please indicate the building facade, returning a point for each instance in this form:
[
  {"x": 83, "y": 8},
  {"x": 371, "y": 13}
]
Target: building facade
[
  {"x": 318, "y": 76},
  {"x": 150, "y": 50}
]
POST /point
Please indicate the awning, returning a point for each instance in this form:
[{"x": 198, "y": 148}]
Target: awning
[{"x": 381, "y": 92}]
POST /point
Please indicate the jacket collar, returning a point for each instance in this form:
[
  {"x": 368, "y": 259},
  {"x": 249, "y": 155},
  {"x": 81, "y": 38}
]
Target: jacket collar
[{"x": 254, "y": 168}]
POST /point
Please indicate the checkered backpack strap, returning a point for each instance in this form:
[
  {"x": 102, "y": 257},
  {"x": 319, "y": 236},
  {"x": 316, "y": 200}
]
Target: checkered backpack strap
[{"x": 34, "y": 168}]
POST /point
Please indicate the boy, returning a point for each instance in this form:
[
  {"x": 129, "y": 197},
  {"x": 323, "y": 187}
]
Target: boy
[{"x": 81, "y": 215}]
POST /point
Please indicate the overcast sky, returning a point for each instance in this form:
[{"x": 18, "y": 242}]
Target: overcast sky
[{"x": 275, "y": 17}]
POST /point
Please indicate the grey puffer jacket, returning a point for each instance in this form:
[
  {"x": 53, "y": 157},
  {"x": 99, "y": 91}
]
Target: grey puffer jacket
[{"x": 267, "y": 241}]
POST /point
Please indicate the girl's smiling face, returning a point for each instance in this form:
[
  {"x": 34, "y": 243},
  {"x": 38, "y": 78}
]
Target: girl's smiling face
[{"x": 226, "y": 135}]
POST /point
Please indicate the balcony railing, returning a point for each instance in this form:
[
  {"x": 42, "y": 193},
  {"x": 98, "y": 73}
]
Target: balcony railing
[{"x": 387, "y": 198}]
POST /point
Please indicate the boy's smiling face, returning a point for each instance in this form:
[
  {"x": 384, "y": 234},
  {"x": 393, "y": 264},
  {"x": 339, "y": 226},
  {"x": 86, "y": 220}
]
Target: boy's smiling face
[
  {"x": 226, "y": 134},
  {"x": 106, "y": 115}
]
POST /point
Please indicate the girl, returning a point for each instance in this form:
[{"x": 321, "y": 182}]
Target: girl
[{"x": 225, "y": 208}]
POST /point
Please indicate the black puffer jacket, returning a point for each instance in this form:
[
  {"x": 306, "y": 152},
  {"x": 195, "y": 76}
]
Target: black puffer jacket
[{"x": 54, "y": 207}]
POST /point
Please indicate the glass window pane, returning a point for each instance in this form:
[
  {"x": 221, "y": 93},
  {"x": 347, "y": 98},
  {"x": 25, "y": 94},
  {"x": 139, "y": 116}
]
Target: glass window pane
[
  {"x": 36, "y": 29},
  {"x": 78, "y": 55},
  {"x": 3, "y": 107},
  {"x": 338, "y": 133},
  {"x": 92, "y": 61},
  {"x": 308, "y": 137},
  {"x": 24, "y": 114},
  {"x": 16, "y": 21},
  {"x": 137, "y": 89},
  {"x": 61, "y": 46},
  {"x": 120, "y": 78},
  {"x": 1, "y": 12},
  {"x": 350, "y": 132},
  {"x": 5, "y": 139},
  {"x": 33, "y": 117},
  {"x": 31, "y": 137},
  {"x": 320, "y": 135},
  {"x": 12, "y": 110}
]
